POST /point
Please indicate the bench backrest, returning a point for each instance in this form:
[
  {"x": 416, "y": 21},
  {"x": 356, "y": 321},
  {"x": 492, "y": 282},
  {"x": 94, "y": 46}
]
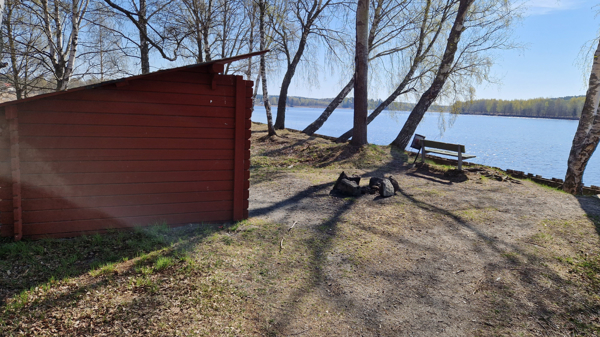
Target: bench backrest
[{"x": 443, "y": 146}]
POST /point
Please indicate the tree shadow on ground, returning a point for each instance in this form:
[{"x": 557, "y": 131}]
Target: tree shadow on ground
[
  {"x": 29, "y": 264},
  {"x": 153, "y": 274},
  {"x": 521, "y": 290},
  {"x": 591, "y": 206}
]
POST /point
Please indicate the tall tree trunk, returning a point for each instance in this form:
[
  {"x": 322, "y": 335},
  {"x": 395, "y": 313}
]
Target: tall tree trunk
[
  {"x": 198, "y": 33},
  {"x": 287, "y": 80},
  {"x": 256, "y": 84},
  {"x": 361, "y": 95},
  {"x": 144, "y": 46},
  {"x": 285, "y": 85},
  {"x": 77, "y": 13},
  {"x": 382, "y": 106},
  {"x": 418, "y": 57},
  {"x": 444, "y": 71},
  {"x": 11, "y": 49},
  {"x": 205, "y": 31},
  {"x": 263, "y": 69},
  {"x": 587, "y": 135},
  {"x": 318, "y": 123}
]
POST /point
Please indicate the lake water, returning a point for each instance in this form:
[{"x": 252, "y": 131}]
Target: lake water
[{"x": 532, "y": 145}]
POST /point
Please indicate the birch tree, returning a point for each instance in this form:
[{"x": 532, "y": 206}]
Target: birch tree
[
  {"x": 152, "y": 21},
  {"x": 263, "y": 68},
  {"x": 103, "y": 51},
  {"x": 385, "y": 15},
  {"x": 479, "y": 28},
  {"x": 24, "y": 69},
  {"x": 587, "y": 135},
  {"x": 361, "y": 98},
  {"x": 303, "y": 18},
  {"x": 60, "y": 23},
  {"x": 443, "y": 72},
  {"x": 432, "y": 24},
  {"x": 198, "y": 20}
]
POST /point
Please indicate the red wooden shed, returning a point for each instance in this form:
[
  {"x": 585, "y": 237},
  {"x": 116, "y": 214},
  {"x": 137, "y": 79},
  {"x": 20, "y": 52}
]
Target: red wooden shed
[{"x": 169, "y": 146}]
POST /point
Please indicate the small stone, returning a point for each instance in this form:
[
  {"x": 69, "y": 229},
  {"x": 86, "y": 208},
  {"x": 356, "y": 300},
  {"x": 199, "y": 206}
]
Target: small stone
[{"x": 387, "y": 189}]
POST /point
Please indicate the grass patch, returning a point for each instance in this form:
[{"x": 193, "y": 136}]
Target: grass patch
[
  {"x": 163, "y": 262},
  {"x": 105, "y": 270}
]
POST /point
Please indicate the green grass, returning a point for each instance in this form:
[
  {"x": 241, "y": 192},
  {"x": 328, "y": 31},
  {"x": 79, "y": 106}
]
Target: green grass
[
  {"x": 163, "y": 262},
  {"x": 105, "y": 270},
  {"x": 28, "y": 264},
  {"x": 546, "y": 187}
]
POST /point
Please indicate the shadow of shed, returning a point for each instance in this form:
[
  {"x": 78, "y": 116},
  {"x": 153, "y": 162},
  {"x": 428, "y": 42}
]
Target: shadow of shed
[{"x": 170, "y": 146}]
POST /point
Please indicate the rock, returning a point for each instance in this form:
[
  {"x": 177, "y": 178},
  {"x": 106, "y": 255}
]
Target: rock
[
  {"x": 343, "y": 175},
  {"x": 375, "y": 182},
  {"x": 386, "y": 189},
  {"x": 394, "y": 183},
  {"x": 348, "y": 187}
]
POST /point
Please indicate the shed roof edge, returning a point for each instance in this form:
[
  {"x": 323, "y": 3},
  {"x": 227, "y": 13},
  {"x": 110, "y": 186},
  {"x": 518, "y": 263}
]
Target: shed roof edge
[{"x": 159, "y": 72}]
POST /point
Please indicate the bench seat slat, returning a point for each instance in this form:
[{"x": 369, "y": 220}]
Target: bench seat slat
[
  {"x": 449, "y": 153},
  {"x": 444, "y": 146}
]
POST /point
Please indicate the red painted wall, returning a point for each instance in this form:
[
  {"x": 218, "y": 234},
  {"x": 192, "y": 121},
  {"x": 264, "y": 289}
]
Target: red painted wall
[{"x": 160, "y": 147}]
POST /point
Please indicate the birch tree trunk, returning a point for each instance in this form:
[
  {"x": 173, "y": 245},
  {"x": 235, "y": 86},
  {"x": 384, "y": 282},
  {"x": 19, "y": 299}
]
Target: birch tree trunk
[
  {"x": 62, "y": 62},
  {"x": 307, "y": 14},
  {"x": 287, "y": 80},
  {"x": 318, "y": 123},
  {"x": 263, "y": 69},
  {"x": 1, "y": 11},
  {"x": 443, "y": 72},
  {"x": 587, "y": 135},
  {"x": 12, "y": 50},
  {"x": 143, "y": 32},
  {"x": 361, "y": 97}
]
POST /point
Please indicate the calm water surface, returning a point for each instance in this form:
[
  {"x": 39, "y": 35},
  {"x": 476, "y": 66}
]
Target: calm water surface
[{"x": 533, "y": 145}]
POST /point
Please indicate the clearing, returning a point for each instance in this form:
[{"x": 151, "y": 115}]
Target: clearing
[{"x": 473, "y": 255}]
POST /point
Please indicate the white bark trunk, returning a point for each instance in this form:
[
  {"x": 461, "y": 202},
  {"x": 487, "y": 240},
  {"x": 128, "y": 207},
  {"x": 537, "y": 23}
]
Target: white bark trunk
[
  {"x": 263, "y": 69},
  {"x": 587, "y": 135}
]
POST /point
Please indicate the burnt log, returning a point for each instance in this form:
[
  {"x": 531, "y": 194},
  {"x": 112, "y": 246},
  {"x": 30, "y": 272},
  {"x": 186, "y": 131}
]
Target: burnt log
[
  {"x": 348, "y": 187},
  {"x": 394, "y": 183},
  {"x": 375, "y": 182},
  {"x": 343, "y": 175}
]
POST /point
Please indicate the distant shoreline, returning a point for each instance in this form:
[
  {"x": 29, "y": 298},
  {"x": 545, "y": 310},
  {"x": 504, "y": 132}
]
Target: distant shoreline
[
  {"x": 462, "y": 114},
  {"x": 521, "y": 116}
]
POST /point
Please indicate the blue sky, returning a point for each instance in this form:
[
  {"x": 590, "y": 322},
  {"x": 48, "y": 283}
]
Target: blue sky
[{"x": 553, "y": 33}]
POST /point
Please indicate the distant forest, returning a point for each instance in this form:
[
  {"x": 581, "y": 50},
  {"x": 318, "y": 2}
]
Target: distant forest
[
  {"x": 568, "y": 107},
  {"x": 347, "y": 103}
]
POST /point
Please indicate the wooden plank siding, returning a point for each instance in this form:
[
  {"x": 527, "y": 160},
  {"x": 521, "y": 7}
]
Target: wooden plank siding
[
  {"x": 159, "y": 148},
  {"x": 6, "y": 206}
]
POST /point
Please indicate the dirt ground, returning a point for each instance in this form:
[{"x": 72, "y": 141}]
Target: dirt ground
[
  {"x": 473, "y": 254},
  {"x": 453, "y": 256}
]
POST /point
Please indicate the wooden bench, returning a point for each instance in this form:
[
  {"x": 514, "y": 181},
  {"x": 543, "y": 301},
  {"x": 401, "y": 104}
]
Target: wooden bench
[{"x": 447, "y": 149}]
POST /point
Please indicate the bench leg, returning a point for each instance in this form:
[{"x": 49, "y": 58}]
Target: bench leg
[{"x": 459, "y": 159}]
